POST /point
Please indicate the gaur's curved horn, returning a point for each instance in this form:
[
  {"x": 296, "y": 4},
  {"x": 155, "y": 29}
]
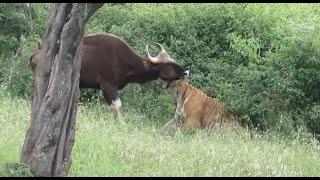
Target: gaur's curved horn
[
  {"x": 161, "y": 47},
  {"x": 163, "y": 56},
  {"x": 152, "y": 59}
]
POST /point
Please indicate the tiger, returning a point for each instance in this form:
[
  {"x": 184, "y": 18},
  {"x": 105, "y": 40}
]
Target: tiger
[{"x": 194, "y": 108}]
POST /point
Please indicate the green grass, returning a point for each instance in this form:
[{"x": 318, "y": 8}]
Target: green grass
[
  {"x": 14, "y": 119},
  {"x": 105, "y": 148}
]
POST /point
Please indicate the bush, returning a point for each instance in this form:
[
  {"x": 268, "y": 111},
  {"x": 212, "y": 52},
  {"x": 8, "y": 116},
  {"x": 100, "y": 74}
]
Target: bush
[
  {"x": 13, "y": 24},
  {"x": 15, "y": 72}
]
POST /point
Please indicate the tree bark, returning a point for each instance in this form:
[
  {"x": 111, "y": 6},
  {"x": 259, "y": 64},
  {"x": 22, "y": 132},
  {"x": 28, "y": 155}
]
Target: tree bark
[{"x": 56, "y": 66}]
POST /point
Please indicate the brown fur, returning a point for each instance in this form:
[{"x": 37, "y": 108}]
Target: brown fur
[{"x": 109, "y": 64}]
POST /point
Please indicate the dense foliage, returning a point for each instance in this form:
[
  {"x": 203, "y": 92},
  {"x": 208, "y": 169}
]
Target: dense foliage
[
  {"x": 261, "y": 60},
  {"x": 17, "y": 33}
]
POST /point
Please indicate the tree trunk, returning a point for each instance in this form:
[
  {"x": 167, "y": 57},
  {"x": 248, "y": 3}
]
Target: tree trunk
[{"x": 56, "y": 66}]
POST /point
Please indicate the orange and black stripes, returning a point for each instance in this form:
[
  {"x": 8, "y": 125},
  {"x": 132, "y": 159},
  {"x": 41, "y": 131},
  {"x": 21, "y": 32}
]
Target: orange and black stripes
[{"x": 195, "y": 108}]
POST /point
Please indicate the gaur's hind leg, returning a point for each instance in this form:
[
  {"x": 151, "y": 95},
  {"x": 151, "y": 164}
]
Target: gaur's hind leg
[{"x": 112, "y": 99}]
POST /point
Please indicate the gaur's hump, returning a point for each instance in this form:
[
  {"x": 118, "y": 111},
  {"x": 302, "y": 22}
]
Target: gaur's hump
[
  {"x": 107, "y": 39},
  {"x": 100, "y": 37}
]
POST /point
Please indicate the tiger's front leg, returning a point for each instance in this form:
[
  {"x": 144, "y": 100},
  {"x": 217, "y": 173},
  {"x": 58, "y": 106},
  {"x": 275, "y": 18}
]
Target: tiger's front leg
[
  {"x": 169, "y": 124},
  {"x": 190, "y": 122},
  {"x": 172, "y": 124},
  {"x": 169, "y": 128}
]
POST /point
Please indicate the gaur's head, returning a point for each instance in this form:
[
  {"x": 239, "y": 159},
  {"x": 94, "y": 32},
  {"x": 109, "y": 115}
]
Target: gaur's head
[{"x": 169, "y": 69}]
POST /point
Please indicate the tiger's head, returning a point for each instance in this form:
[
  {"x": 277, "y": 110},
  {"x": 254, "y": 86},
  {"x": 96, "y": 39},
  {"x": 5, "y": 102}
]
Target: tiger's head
[{"x": 173, "y": 86}]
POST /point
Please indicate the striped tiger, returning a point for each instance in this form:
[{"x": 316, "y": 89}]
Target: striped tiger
[{"x": 195, "y": 108}]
